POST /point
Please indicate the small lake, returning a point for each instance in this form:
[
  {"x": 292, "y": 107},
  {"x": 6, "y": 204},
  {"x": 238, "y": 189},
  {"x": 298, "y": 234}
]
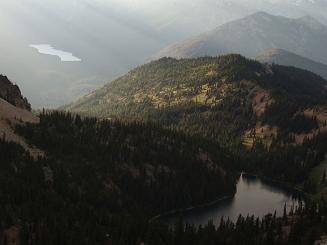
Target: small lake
[
  {"x": 253, "y": 197},
  {"x": 49, "y": 50}
]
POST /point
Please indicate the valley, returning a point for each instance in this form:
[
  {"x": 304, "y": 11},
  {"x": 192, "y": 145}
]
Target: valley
[
  {"x": 163, "y": 123},
  {"x": 154, "y": 150},
  {"x": 270, "y": 118}
]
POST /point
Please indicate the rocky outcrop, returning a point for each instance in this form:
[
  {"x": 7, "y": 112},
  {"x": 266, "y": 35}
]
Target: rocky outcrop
[
  {"x": 15, "y": 109},
  {"x": 11, "y": 93}
]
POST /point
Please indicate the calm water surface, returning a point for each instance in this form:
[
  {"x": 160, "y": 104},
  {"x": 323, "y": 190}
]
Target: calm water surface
[
  {"x": 253, "y": 197},
  {"x": 49, "y": 50}
]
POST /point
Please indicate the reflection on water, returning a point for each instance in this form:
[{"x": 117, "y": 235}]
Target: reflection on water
[
  {"x": 253, "y": 197},
  {"x": 49, "y": 50}
]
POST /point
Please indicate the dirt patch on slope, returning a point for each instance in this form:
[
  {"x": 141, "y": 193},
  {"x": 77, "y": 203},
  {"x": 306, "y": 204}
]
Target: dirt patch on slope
[
  {"x": 264, "y": 133},
  {"x": 320, "y": 113},
  {"x": 11, "y": 115},
  {"x": 261, "y": 101}
]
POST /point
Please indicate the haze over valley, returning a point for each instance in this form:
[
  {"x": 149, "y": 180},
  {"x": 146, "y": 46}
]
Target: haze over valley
[
  {"x": 110, "y": 37},
  {"x": 166, "y": 122}
]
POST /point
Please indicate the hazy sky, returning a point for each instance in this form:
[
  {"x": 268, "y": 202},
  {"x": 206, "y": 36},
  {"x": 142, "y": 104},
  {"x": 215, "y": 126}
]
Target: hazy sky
[{"x": 110, "y": 36}]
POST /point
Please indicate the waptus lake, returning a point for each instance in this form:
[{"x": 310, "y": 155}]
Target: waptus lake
[
  {"x": 49, "y": 50},
  {"x": 253, "y": 197}
]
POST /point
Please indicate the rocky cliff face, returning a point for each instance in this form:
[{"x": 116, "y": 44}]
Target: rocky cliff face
[
  {"x": 14, "y": 110},
  {"x": 11, "y": 93}
]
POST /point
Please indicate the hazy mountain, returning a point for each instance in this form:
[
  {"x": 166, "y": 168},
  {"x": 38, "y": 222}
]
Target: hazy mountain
[
  {"x": 283, "y": 57},
  {"x": 100, "y": 35},
  {"x": 254, "y": 34}
]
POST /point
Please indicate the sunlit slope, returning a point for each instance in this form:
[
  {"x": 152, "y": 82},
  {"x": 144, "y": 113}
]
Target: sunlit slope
[{"x": 225, "y": 98}]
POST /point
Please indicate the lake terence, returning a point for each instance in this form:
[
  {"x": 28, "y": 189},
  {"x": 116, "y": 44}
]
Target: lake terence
[{"x": 253, "y": 197}]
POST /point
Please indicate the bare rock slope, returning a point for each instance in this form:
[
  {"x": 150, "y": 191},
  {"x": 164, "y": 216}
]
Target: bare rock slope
[
  {"x": 15, "y": 109},
  {"x": 12, "y": 94}
]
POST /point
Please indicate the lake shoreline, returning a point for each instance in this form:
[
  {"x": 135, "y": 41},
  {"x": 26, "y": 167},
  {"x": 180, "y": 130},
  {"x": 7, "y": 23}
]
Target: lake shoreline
[
  {"x": 288, "y": 186},
  {"x": 183, "y": 210},
  {"x": 283, "y": 184}
]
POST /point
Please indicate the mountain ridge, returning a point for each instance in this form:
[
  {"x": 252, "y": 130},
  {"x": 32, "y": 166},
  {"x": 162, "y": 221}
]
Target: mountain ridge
[
  {"x": 252, "y": 35},
  {"x": 174, "y": 92},
  {"x": 283, "y": 57}
]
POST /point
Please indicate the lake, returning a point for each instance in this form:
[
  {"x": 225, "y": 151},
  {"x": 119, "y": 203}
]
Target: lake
[
  {"x": 253, "y": 197},
  {"x": 49, "y": 50}
]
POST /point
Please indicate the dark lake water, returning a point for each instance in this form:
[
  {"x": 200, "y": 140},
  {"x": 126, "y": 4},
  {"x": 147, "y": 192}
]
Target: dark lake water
[{"x": 253, "y": 197}]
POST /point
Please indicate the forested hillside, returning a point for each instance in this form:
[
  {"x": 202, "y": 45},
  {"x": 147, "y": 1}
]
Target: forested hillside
[
  {"x": 228, "y": 99},
  {"x": 70, "y": 199},
  {"x": 236, "y": 102},
  {"x": 170, "y": 134},
  {"x": 133, "y": 162},
  {"x": 102, "y": 181},
  {"x": 96, "y": 172}
]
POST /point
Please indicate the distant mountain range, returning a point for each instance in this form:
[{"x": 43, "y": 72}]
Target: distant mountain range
[
  {"x": 110, "y": 37},
  {"x": 254, "y": 34},
  {"x": 283, "y": 57}
]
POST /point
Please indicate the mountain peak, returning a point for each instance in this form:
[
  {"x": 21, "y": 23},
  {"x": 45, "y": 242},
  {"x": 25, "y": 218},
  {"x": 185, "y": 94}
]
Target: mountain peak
[
  {"x": 254, "y": 34},
  {"x": 261, "y": 14}
]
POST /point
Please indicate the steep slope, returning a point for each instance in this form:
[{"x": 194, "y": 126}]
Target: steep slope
[
  {"x": 103, "y": 180},
  {"x": 239, "y": 103},
  {"x": 12, "y": 94},
  {"x": 283, "y": 57},
  {"x": 118, "y": 174},
  {"x": 100, "y": 177},
  {"x": 11, "y": 115},
  {"x": 254, "y": 34},
  {"x": 15, "y": 109},
  {"x": 218, "y": 90}
]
